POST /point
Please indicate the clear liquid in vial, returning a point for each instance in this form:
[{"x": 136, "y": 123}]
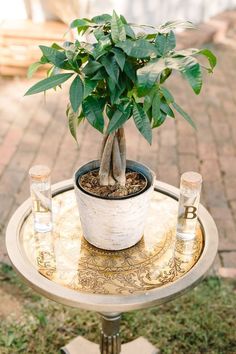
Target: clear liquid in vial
[
  {"x": 41, "y": 206},
  {"x": 187, "y": 214}
]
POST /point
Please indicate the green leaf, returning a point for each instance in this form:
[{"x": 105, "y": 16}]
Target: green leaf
[
  {"x": 76, "y": 93},
  {"x": 145, "y": 83},
  {"x": 87, "y": 47},
  {"x": 48, "y": 83},
  {"x": 164, "y": 75},
  {"x": 156, "y": 105},
  {"x": 98, "y": 33},
  {"x": 53, "y": 71},
  {"x": 57, "y": 46},
  {"x": 112, "y": 88},
  {"x": 102, "y": 46},
  {"x": 120, "y": 57},
  {"x": 129, "y": 32},
  {"x": 70, "y": 55},
  {"x": 33, "y": 68},
  {"x": 89, "y": 86},
  {"x": 123, "y": 19},
  {"x": 73, "y": 121},
  {"x": 130, "y": 71},
  {"x": 93, "y": 111},
  {"x": 165, "y": 43},
  {"x": 119, "y": 118},
  {"x": 159, "y": 120},
  {"x": 105, "y": 41},
  {"x": 166, "y": 93},
  {"x": 55, "y": 56},
  {"x": 167, "y": 110},
  {"x": 160, "y": 43},
  {"x": 44, "y": 60},
  {"x": 82, "y": 24},
  {"x": 91, "y": 67},
  {"x": 100, "y": 75},
  {"x": 147, "y": 103},
  {"x": 116, "y": 90},
  {"x": 170, "y": 25},
  {"x": 184, "y": 114},
  {"x": 160, "y": 64},
  {"x": 101, "y": 19},
  {"x": 109, "y": 111},
  {"x": 193, "y": 51},
  {"x": 180, "y": 63},
  {"x": 149, "y": 74},
  {"x": 185, "y": 52},
  {"x": 142, "y": 122},
  {"x": 194, "y": 76},
  {"x": 210, "y": 56},
  {"x": 67, "y": 45},
  {"x": 140, "y": 48},
  {"x": 98, "y": 52},
  {"x": 117, "y": 29},
  {"x": 111, "y": 66},
  {"x": 149, "y": 98},
  {"x": 151, "y": 36}
]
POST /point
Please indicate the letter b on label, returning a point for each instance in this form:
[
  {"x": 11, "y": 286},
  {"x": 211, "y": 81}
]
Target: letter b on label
[{"x": 190, "y": 212}]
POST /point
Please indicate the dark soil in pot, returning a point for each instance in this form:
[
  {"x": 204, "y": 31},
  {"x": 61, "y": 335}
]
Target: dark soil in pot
[{"x": 135, "y": 183}]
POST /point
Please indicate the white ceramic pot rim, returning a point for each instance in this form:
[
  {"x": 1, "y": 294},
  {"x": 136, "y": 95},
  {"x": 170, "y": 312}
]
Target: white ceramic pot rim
[{"x": 147, "y": 173}]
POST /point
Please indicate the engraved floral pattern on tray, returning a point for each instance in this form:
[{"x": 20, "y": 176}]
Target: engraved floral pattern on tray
[{"x": 66, "y": 258}]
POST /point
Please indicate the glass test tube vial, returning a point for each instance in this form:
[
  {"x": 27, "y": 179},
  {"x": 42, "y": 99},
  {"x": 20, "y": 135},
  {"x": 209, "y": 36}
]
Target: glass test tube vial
[
  {"x": 190, "y": 189},
  {"x": 40, "y": 189}
]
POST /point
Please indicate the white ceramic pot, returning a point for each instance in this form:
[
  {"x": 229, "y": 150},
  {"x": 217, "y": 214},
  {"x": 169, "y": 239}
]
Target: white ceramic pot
[{"x": 113, "y": 224}]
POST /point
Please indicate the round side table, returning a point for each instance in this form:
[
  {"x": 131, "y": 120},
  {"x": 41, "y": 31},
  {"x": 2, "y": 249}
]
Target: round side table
[{"x": 64, "y": 267}]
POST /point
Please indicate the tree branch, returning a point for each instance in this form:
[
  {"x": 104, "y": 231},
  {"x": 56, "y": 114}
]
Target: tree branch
[
  {"x": 122, "y": 146},
  {"x": 118, "y": 174},
  {"x": 106, "y": 160}
]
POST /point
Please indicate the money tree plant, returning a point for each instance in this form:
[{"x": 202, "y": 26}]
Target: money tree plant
[{"x": 120, "y": 74}]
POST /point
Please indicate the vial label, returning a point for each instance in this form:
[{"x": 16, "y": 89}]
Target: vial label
[{"x": 190, "y": 188}]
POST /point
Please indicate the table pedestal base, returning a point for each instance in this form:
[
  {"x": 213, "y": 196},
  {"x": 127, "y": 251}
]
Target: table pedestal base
[
  {"x": 110, "y": 342},
  {"x": 81, "y": 345}
]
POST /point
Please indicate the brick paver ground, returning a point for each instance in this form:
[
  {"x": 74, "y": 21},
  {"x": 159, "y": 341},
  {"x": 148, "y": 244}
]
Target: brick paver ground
[{"x": 32, "y": 132}]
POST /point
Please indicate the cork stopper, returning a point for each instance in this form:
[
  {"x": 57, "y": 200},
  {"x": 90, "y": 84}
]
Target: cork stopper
[
  {"x": 40, "y": 172},
  {"x": 192, "y": 180}
]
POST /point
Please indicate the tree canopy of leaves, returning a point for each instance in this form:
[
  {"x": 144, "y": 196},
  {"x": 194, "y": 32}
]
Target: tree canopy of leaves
[{"x": 122, "y": 74}]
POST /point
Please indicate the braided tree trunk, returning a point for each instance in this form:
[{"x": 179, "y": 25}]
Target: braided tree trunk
[{"x": 113, "y": 159}]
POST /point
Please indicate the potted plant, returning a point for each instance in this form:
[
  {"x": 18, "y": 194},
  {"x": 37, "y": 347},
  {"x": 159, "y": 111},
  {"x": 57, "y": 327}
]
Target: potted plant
[{"x": 118, "y": 76}]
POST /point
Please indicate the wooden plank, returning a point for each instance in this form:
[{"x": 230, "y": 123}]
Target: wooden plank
[
  {"x": 7, "y": 41},
  {"x": 23, "y": 63},
  {"x": 6, "y": 70},
  {"x": 49, "y": 30},
  {"x": 18, "y": 51},
  {"x": 19, "y": 42}
]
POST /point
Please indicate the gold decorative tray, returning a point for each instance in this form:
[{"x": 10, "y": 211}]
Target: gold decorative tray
[{"x": 66, "y": 258}]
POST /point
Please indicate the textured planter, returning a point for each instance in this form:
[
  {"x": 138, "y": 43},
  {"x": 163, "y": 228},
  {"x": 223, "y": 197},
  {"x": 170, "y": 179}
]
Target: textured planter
[{"x": 113, "y": 224}]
